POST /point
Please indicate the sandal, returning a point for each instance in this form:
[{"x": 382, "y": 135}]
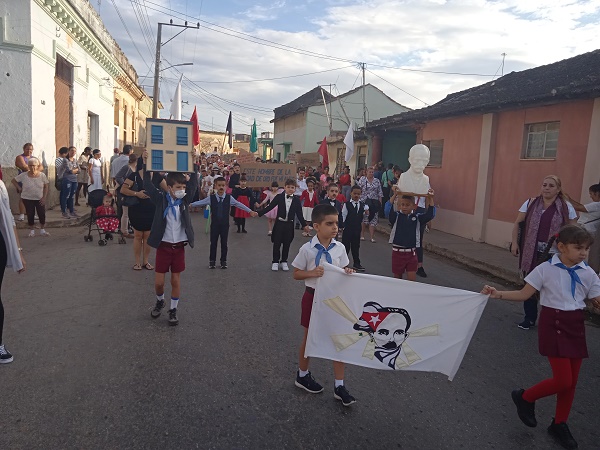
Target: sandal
[
  {"x": 373, "y": 241},
  {"x": 148, "y": 266},
  {"x": 269, "y": 233},
  {"x": 362, "y": 238},
  {"x": 137, "y": 267}
]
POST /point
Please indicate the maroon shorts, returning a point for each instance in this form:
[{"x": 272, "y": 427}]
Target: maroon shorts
[
  {"x": 404, "y": 261},
  {"x": 170, "y": 257},
  {"x": 561, "y": 334},
  {"x": 307, "y": 302}
]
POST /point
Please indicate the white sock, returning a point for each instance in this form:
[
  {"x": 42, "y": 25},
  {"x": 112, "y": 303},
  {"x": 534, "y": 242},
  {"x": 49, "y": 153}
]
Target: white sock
[
  {"x": 339, "y": 383},
  {"x": 174, "y": 302},
  {"x": 160, "y": 297},
  {"x": 302, "y": 373}
]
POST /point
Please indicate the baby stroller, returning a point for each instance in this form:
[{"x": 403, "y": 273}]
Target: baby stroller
[{"x": 95, "y": 200}]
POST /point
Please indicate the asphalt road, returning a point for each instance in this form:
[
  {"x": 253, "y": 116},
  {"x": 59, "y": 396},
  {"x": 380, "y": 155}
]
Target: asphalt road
[{"x": 92, "y": 370}]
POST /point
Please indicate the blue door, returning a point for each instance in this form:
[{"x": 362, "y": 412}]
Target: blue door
[{"x": 182, "y": 161}]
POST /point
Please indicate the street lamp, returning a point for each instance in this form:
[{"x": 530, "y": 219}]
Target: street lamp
[{"x": 177, "y": 65}]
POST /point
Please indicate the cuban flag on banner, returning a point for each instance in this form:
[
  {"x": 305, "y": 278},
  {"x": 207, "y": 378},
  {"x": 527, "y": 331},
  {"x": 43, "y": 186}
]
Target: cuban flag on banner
[{"x": 391, "y": 324}]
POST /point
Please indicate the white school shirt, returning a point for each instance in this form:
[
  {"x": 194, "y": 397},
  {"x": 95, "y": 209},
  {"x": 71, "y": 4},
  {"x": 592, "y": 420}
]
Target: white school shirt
[
  {"x": 300, "y": 187},
  {"x": 174, "y": 232},
  {"x": 288, "y": 204},
  {"x": 554, "y": 285},
  {"x": 305, "y": 260},
  {"x": 590, "y": 220}
]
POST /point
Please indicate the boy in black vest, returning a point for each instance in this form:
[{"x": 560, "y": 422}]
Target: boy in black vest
[
  {"x": 288, "y": 206},
  {"x": 220, "y": 202},
  {"x": 331, "y": 199},
  {"x": 353, "y": 213},
  {"x": 171, "y": 231}
]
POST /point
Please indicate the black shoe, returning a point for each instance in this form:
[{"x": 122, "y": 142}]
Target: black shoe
[
  {"x": 561, "y": 432},
  {"x": 421, "y": 272},
  {"x": 308, "y": 383},
  {"x": 358, "y": 268},
  {"x": 525, "y": 410},
  {"x": 297, "y": 226},
  {"x": 211, "y": 265},
  {"x": 160, "y": 304},
  {"x": 341, "y": 393},
  {"x": 173, "y": 320},
  {"x": 526, "y": 324},
  {"x": 243, "y": 230},
  {"x": 5, "y": 356},
  {"x": 238, "y": 230},
  {"x": 223, "y": 264}
]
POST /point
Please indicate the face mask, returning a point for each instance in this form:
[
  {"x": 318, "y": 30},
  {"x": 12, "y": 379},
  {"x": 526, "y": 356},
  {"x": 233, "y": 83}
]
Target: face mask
[{"x": 179, "y": 194}]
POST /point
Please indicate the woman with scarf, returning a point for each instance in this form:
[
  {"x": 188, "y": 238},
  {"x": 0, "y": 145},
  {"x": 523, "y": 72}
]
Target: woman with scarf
[
  {"x": 10, "y": 256},
  {"x": 539, "y": 218}
]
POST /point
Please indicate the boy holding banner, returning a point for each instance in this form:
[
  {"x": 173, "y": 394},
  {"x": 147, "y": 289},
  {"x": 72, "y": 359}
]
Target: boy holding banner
[{"x": 323, "y": 247}]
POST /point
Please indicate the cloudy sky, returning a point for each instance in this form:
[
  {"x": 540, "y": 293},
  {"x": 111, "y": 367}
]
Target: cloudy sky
[{"x": 247, "y": 55}]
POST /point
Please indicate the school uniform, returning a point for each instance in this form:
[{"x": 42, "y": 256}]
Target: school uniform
[
  {"x": 405, "y": 238},
  {"x": 171, "y": 226},
  {"x": 561, "y": 326},
  {"x": 337, "y": 205},
  {"x": 219, "y": 222},
  {"x": 309, "y": 256},
  {"x": 288, "y": 207},
  {"x": 352, "y": 217}
]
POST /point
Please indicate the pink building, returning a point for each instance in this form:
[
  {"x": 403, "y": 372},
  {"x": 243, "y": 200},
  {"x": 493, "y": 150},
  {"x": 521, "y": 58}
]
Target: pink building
[{"x": 492, "y": 145}]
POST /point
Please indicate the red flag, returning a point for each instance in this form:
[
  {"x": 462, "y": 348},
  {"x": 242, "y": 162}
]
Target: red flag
[
  {"x": 323, "y": 152},
  {"x": 195, "y": 129}
]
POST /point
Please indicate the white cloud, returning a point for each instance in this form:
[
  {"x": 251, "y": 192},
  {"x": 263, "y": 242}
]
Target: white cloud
[{"x": 452, "y": 36}]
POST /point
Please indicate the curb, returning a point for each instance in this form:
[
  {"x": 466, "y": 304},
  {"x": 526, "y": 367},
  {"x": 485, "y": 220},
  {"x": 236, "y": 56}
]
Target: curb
[
  {"x": 60, "y": 223},
  {"x": 509, "y": 276}
]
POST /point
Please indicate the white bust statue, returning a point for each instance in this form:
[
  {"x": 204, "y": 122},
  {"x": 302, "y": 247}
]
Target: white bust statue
[{"x": 414, "y": 180}]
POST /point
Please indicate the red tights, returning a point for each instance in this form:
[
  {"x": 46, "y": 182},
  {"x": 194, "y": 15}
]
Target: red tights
[{"x": 565, "y": 372}]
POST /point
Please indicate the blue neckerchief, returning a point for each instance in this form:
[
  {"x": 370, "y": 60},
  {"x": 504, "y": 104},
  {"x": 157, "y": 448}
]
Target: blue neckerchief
[
  {"x": 574, "y": 277},
  {"x": 172, "y": 205},
  {"x": 323, "y": 251}
]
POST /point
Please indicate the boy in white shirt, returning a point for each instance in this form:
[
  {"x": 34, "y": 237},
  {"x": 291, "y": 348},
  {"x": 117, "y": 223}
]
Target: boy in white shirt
[{"x": 323, "y": 247}]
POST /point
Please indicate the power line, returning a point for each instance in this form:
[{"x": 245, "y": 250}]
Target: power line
[
  {"x": 127, "y": 30},
  {"x": 407, "y": 93}
]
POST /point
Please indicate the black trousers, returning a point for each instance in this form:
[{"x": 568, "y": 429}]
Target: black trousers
[
  {"x": 3, "y": 259},
  {"x": 352, "y": 243},
  {"x": 283, "y": 235},
  {"x": 218, "y": 230},
  {"x": 31, "y": 207},
  {"x": 419, "y": 250}
]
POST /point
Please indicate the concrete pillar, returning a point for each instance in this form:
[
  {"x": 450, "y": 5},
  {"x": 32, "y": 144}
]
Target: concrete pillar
[
  {"x": 376, "y": 148},
  {"x": 592, "y": 159},
  {"x": 487, "y": 150}
]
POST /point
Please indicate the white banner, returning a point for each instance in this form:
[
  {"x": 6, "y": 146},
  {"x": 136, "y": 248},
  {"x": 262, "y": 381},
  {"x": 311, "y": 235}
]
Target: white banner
[{"x": 386, "y": 323}]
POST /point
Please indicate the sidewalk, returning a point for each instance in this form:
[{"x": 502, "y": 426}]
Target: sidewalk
[
  {"x": 492, "y": 260},
  {"x": 54, "y": 218}
]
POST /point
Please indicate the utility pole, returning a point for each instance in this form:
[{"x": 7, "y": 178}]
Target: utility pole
[
  {"x": 503, "y": 57},
  {"x": 159, "y": 44},
  {"x": 362, "y": 65},
  {"x": 327, "y": 113}
]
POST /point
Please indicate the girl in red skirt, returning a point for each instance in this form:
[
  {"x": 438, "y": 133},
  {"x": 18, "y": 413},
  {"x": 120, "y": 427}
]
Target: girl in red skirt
[
  {"x": 242, "y": 194},
  {"x": 106, "y": 217},
  {"x": 564, "y": 282}
]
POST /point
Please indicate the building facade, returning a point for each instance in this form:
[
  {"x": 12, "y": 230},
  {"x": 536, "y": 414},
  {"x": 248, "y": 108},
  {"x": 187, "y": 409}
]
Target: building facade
[
  {"x": 492, "y": 145},
  {"x": 62, "y": 72}
]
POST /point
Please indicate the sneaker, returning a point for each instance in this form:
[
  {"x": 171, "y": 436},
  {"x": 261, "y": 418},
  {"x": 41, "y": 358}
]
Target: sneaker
[
  {"x": 308, "y": 383},
  {"x": 31, "y": 233},
  {"x": 66, "y": 216},
  {"x": 21, "y": 217},
  {"x": 160, "y": 304},
  {"x": 224, "y": 265},
  {"x": 358, "y": 268},
  {"x": 526, "y": 324},
  {"x": 561, "y": 432},
  {"x": 173, "y": 320},
  {"x": 341, "y": 393},
  {"x": 5, "y": 356},
  {"x": 421, "y": 272},
  {"x": 525, "y": 409},
  {"x": 75, "y": 215},
  {"x": 275, "y": 267},
  {"x": 44, "y": 233},
  {"x": 284, "y": 267},
  {"x": 211, "y": 264}
]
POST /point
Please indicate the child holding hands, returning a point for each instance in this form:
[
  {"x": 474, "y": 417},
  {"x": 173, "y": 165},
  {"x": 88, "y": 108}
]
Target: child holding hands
[
  {"x": 564, "y": 282},
  {"x": 323, "y": 247}
]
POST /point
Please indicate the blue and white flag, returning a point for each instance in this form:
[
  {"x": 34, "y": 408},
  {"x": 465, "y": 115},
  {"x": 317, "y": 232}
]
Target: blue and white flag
[{"x": 386, "y": 323}]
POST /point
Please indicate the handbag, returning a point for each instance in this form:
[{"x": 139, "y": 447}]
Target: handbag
[
  {"x": 129, "y": 201},
  {"x": 374, "y": 207},
  {"x": 520, "y": 233}
]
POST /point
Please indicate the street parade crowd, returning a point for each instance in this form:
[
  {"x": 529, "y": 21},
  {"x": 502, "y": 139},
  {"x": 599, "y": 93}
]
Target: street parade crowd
[{"x": 336, "y": 214}]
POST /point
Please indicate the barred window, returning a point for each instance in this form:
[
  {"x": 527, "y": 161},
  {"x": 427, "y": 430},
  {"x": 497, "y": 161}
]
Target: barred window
[
  {"x": 541, "y": 140},
  {"x": 436, "y": 149}
]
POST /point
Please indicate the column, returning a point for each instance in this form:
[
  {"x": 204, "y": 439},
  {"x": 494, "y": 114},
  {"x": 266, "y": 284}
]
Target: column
[
  {"x": 376, "y": 148},
  {"x": 487, "y": 150}
]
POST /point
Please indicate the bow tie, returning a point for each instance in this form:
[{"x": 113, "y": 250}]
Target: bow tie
[
  {"x": 322, "y": 251},
  {"x": 574, "y": 277},
  {"x": 289, "y": 196},
  {"x": 172, "y": 205}
]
